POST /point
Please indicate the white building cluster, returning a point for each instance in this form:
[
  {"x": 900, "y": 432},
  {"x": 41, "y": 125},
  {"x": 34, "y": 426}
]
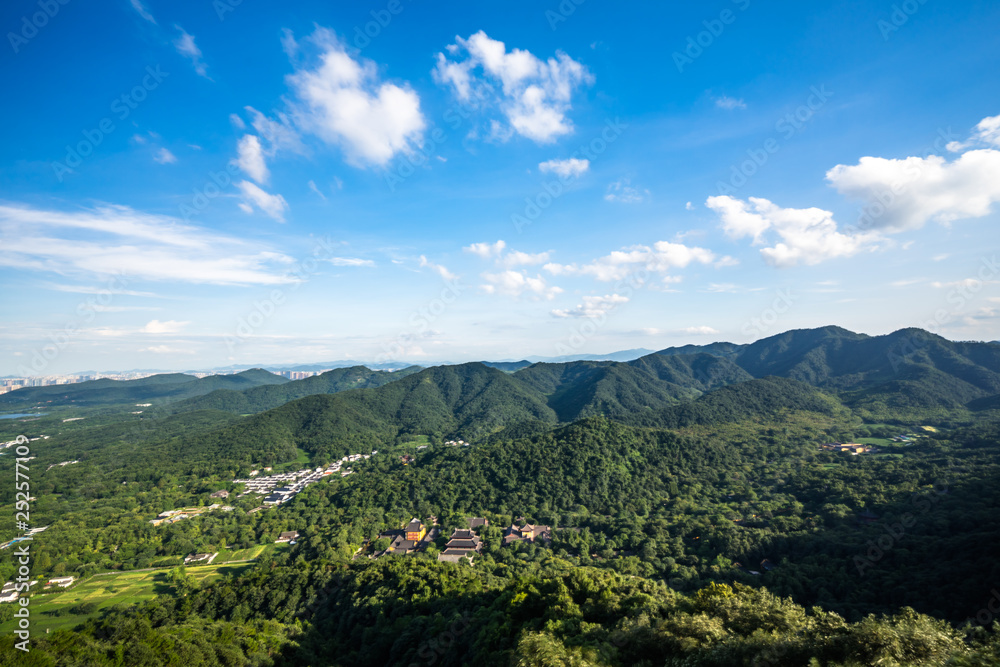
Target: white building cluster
[{"x": 281, "y": 487}]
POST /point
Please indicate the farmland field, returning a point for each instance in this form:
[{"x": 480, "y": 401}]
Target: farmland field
[{"x": 54, "y": 610}]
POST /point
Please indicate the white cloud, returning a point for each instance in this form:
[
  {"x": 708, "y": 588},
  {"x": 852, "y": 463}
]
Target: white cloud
[
  {"x": 808, "y": 235},
  {"x": 437, "y": 268},
  {"x": 166, "y": 349},
  {"x": 143, "y": 12},
  {"x": 533, "y": 96},
  {"x": 164, "y": 156},
  {"x": 517, "y": 283},
  {"x": 905, "y": 194},
  {"x": 351, "y": 261},
  {"x": 565, "y": 168},
  {"x": 594, "y": 306},
  {"x": 168, "y": 327},
  {"x": 272, "y": 205},
  {"x": 342, "y": 101},
  {"x": 518, "y": 258},
  {"x": 486, "y": 250},
  {"x": 623, "y": 191},
  {"x": 237, "y": 122},
  {"x": 662, "y": 257},
  {"x": 726, "y": 102},
  {"x": 312, "y": 186},
  {"x": 250, "y": 158},
  {"x": 696, "y": 331},
  {"x": 988, "y": 131},
  {"x": 186, "y": 47},
  {"x": 114, "y": 240}
]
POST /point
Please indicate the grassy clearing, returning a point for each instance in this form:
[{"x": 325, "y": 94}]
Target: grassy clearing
[
  {"x": 52, "y": 610},
  {"x": 243, "y": 554}
]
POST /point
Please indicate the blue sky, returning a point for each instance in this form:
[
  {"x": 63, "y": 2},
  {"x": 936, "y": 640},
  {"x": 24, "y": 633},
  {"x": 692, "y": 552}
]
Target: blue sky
[{"x": 189, "y": 185}]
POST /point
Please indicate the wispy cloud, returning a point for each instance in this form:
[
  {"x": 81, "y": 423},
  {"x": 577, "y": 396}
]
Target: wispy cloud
[
  {"x": 164, "y": 156},
  {"x": 186, "y": 47},
  {"x": 111, "y": 240},
  {"x": 624, "y": 192},
  {"x": 143, "y": 12},
  {"x": 726, "y": 102}
]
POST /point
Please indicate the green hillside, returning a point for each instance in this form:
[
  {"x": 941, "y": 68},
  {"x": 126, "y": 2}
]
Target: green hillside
[
  {"x": 259, "y": 399},
  {"x": 153, "y": 389}
]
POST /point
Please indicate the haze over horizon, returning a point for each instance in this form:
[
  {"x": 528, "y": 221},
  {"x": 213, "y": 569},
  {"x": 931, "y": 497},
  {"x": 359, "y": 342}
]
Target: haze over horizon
[{"x": 257, "y": 184}]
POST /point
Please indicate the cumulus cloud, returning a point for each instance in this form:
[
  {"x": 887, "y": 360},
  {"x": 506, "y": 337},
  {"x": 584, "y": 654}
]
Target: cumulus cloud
[
  {"x": 593, "y": 306},
  {"x": 898, "y": 195},
  {"x": 905, "y": 194},
  {"x": 661, "y": 257},
  {"x": 565, "y": 168},
  {"x": 516, "y": 283},
  {"x": 533, "y": 96},
  {"x": 623, "y": 191},
  {"x": 186, "y": 47},
  {"x": 250, "y": 158},
  {"x": 518, "y": 258},
  {"x": 273, "y": 206},
  {"x": 988, "y": 131},
  {"x": 808, "y": 235},
  {"x": 344, "y": 102},
  {"x": 114, "y": 240},
  {"x": 486, "y": 250}
]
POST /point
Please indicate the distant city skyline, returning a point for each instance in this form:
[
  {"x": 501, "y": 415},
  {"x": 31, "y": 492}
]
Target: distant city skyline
[{"x": 263, "y": 184}]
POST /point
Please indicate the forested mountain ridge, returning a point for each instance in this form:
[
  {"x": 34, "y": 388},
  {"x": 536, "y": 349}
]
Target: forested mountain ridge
[
  {"x": 154, "y": 389},
  {"x": 259, "y": 399},
  {"x": 468, "y": 400}
]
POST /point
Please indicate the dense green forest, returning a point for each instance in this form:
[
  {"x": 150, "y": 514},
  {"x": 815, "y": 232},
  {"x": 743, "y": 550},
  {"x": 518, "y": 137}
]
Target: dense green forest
[{"x": 695, "y": 518}]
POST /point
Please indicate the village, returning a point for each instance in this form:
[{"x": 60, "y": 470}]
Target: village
[
  {"x": 277, "y": 489},
  {"x": 464, "y": 543},
  {"x": 282, "y": 487}
]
